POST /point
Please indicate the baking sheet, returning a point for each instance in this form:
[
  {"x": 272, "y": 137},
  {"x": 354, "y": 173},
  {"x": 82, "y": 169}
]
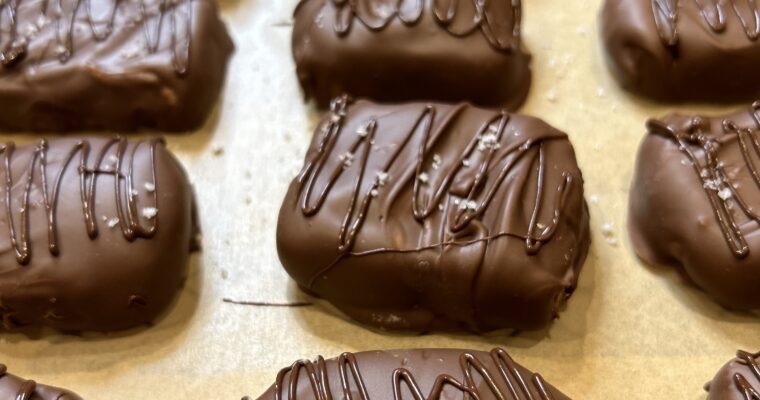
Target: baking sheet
[{"x": 629, "y": 331}]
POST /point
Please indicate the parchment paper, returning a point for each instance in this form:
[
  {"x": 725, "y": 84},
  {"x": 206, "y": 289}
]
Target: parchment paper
[{"x": 629, "y": 332}]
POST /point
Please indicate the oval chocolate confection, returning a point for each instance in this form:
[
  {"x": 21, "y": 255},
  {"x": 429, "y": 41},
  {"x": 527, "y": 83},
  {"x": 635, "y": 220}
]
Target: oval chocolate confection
[
  {"x": 695, "y": 199},
  {"x": 114, "y": 65},
  {"x": 467, "y": 50},
  {"x": 412, "y": 374},
  {"x": 96, "y": 233},
  {"x": 434, "y": 216},
  {"x": 684, "y": 50},
  {"x": 13, "y": 387},
  {"x": 737, "y": 380}
]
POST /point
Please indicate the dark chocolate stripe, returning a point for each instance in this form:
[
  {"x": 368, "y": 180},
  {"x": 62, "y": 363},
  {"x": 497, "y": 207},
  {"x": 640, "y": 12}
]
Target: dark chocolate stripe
[
  {"x": 713, "y": 12},
  {"x": 129, "y": 220},
  {"x": 487, "y": 140},
  {"x": 490, "y": 17},
  {"x": 14, "y": 48},
  {"x": 749, "y": 391},
  {"x": 351, "y": 377}
]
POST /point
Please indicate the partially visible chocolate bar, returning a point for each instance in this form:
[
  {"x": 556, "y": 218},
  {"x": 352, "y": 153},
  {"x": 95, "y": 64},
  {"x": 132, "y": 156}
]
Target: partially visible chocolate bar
[
  {"x": 684, "y": 50},
  {"x": 114, "y": 65},
  {"x": 406, "y": 50},
  {"x": 412, "y": 374},
  {"x": 13, "y": 387},
  {"x": 739, "y": 379},
  {"x": 695, "y": 202},
  {"x": 95, "y": 233},
  {"x": 426, "y": 216}
]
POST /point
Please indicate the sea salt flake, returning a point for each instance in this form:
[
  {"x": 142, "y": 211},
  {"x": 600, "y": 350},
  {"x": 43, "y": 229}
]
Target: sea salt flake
[
  {"x": 608, "y": 229},
  {"x": 150, "y": 187},
  {"x": 363, "y": 131},
  {"x": 423, "y": 177},
  {"x": 149, "y": 212},
  {"x": 488, "y": 141},
  {"x": 437, "y": 160},
  {"x": 347, "y": 159},
  {"x": 725, "y": 193},
  {"x": 113, "y": 222},
  {"x": 382, "y": 178}
]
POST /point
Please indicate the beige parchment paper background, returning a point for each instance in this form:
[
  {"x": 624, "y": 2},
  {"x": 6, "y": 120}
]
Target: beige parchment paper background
[{"x": 629, "y": 332}]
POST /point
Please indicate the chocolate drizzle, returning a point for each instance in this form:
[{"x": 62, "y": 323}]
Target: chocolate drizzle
[
  {"x": 64, "y": 14},
  {"x": 124, "y": 190},
  {"x": 748, "y": 390},
  {"x": 486, "y": 140},
  {"x": 498, "y": 20},
  {"x": 518, "y": 387},
  {"x": 714, "y": 13},
  {"x": 696, "y": 142},
  {"x": 26, "y": 389}
]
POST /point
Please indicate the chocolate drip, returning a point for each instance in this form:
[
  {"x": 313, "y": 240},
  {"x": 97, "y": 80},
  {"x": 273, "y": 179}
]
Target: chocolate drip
[
  {"x": 519, "y": 388},
  {"x": 486, "y": 140},
  {"x": 749, "y": 391},
  {"x": 128, "y": 219},
  {"x": 714, "y": 13},
  {"x": 26, "y": 389},
  {"x": 153, "y": 22},
  {"x": 498, "y": 20},
  {"x": 702, "y": 150}
]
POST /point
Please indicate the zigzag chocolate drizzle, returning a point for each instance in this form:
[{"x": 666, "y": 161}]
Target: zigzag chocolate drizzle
[
  {"x": 701, "y": 148},
  {"x": 27, "y": 389},
  {"x": 748, "y": 390},
  {"x": 714, "y": 13},
  {"x": 498, "y": 20},
  {"x": 350, "y": 373},
  {"x": 13, "y": 48},
  {"x": 128, "y": 219},
  {"x": 487, "y": 140}
]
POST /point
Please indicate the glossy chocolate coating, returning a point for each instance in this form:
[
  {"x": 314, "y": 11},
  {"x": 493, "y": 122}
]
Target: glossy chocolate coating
[
  {"x": 110, "y": 64},
  {"x": 412, "y": 374},
  {"x": 737, "y": 380},
  {"x": 13, "y": 387},
  {"x": 412, "y": 50},
  {"x": 694, "y": 202},
  {"x": 684, "y": 50},
  {"x": 488, "y": 229},
  {"x": 75, "y": 258}
]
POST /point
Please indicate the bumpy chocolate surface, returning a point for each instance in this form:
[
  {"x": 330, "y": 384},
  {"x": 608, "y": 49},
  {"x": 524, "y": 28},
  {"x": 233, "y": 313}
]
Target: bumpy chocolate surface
[
  {"x": 405, "y": 50},
  {"x": 695, "y": 201},
  {"x": 412, "y": 374},
  {"x": 433, "y": 216},
  {"x": 81, "y": 249},
  {"x": 85, "y": 64},
  {"x": 693, "y": 50},
  {"x": 737, "y": 380},
  {"x": 13, "y": 387}
]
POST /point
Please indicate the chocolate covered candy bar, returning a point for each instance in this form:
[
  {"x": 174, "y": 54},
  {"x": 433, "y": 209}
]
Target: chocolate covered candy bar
[
  {"x": 684, "y": 50},
  {"x": 695, "y": 200},
  {"x": 96, "y": 233},
  {"x": 427, "y": 216},
  {"x": 412, "y": 50},
  {"x": 122, "y": 65},
  {"x": 412, "y": 374}
]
